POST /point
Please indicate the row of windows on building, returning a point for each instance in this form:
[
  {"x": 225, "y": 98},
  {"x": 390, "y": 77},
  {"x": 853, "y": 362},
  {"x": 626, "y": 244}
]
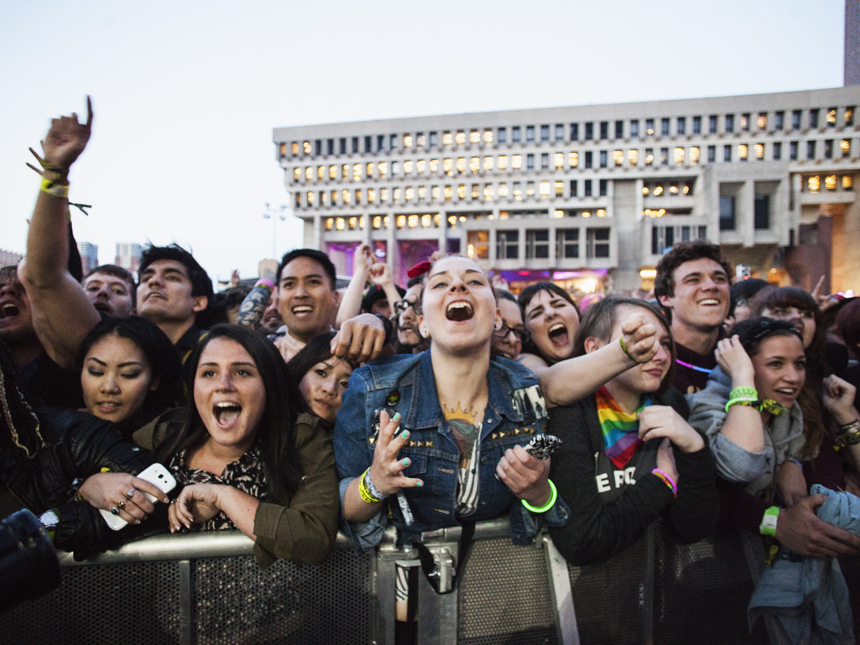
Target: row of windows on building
[
  {"x": 558, "y": 161},
  {"x": 561, "y": 132},
  {"x": 537, "y": 244}
]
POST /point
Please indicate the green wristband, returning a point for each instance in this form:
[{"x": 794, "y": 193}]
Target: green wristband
[
  {"x": 742, "y": 400},
  {"x": 743, "y": 391},
  {"x": 552, "y": 498},
  {"x": 768, "y": 521}
]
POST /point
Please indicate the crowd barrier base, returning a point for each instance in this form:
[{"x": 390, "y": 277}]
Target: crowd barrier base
[{"x": 207, "y": 588}]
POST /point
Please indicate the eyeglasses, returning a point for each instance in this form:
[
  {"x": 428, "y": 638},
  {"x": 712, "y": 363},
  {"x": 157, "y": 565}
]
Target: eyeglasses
[
  {"x": 402, "y": 305},
  {"x": 521, "y": 334}
]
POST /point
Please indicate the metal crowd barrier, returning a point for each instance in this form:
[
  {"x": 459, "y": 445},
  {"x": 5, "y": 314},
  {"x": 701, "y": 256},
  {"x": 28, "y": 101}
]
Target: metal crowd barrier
[{"x": 207, "y": 588}]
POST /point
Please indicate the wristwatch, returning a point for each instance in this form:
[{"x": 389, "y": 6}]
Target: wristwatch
[
  {"x": 768, "y": 521},
  {"x": 49, "y": 520}
]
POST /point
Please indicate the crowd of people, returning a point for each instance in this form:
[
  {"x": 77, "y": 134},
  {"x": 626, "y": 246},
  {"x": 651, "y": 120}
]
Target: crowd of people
[{"x": 291, "y": 409}]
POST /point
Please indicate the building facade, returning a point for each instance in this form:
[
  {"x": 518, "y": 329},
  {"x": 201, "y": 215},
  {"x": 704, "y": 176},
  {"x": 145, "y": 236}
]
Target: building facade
[
  {"x": 89, "y": 256},
  {"x": 128, "y": 256},
  {"x": 592, "y": 196}
]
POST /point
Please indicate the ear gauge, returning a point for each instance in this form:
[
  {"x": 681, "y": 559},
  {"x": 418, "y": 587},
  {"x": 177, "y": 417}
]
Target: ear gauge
[
  {"x": 497, "y": 326},
  {"x": 425, "y": 333}
]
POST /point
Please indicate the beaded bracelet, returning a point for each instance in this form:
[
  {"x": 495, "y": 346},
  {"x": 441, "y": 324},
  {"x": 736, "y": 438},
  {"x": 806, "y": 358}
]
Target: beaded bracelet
[
  {"x": 750, "y": 401},
  {"x": 850, "y": 436},
  {"x": 552, "y": 499},
  {"x": 666, "y": 480}
]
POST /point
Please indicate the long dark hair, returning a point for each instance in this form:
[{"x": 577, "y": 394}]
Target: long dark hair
[
  {"x": 316, "y": 351},
  {"x": 275, "y": 436},
  {"x": 526, "y": 296},
  {"x": 160, "y": 354},
  {"x": 600, "y": 318}
]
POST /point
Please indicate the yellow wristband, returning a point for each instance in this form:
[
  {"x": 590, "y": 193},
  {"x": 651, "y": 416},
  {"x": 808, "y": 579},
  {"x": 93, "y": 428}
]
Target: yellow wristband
[{"x": 54, "y": 190}]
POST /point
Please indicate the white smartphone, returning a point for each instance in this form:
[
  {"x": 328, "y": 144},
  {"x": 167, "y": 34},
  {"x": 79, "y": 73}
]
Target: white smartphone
[{"x": 155, "y": 474}]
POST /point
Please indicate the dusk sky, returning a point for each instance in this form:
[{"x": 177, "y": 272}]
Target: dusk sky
[{"x": 186, "y": 94}]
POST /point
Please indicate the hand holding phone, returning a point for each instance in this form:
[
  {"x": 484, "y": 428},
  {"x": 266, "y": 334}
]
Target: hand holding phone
[{"x": 155, "y": 474}]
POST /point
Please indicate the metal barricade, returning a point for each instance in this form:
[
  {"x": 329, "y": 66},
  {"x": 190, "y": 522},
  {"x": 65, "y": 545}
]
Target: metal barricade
[{"x": 207, "y": 588}]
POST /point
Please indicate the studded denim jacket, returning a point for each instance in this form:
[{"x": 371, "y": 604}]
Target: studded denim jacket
[{"x": 515, "y": 412}]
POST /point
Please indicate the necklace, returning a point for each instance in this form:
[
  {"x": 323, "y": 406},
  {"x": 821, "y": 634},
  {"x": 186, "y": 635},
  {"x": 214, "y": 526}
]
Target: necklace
[{"x": 703, "y": 370}]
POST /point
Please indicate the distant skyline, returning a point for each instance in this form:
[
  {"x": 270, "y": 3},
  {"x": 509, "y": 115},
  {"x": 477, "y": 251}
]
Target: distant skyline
[{"x": 186, "y": 95}]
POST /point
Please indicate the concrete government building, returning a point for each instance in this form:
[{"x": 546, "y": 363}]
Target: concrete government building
[{"x": 592, "y": 196}]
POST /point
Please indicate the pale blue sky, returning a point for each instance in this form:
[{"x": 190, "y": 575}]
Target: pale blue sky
[{"x": 186, "y": 94}]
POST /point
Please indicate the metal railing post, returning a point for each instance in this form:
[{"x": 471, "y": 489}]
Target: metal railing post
[{"x": 562, "y": 594}]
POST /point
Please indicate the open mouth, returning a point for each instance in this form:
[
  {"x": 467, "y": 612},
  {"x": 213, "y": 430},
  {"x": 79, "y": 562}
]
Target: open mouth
[
  {"x": 558, "y": 335},
  {"x": 302, "y": 309},
  {"x": 459, "y": 311},
  {"x": 709, "y": 302},
  {"x": 8, "y": 310},
  {"x": 108, "y": 406},
  {"x": 226, "y": 413},
  {"x": 102, "y": 306}
]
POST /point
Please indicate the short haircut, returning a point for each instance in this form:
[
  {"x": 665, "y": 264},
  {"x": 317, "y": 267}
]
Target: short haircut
[
  {"x": 318, "y": 256},
  {"x": 117, "y": 272},
  {"x": 664, "y": 282},
  {"x": 599, "y": 320},
  {"x": 201, "y": 284},
  {"x": 743, "y": 291}
]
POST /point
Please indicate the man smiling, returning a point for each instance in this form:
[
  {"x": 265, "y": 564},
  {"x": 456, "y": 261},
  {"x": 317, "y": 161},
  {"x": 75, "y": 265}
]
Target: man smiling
[{"x": 692, "y": 283}]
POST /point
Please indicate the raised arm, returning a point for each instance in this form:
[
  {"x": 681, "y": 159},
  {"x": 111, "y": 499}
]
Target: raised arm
[
  {"x": 62, "y": 314},
  {"x": 254, "y": 305},
  {"x": 572, "y": 379},
  {"x": 350, "y": 304}
]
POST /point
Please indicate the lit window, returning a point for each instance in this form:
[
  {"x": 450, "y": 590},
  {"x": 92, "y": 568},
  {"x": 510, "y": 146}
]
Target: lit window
[
  {"x": 401, "y": 221},
  {"x": 346, "y": 196},
  {"x": 488, "y": 192},
  {"x": 460, "y": 138},
  {"x": 323, "y": 198},
  {"x": 358, "y": 195},
  {"x": 646, "y": 190},
  {"x": 461, "y": 165},
  {"x": 503, "y": 190},
  {"x": 573, "y": 159},
  {"x": 488, "y": 136},
  {"x": 283, "y": 149},
  {"x": 688, "y": 187},
  {"x": 759, "y": 151},
  {"x": 344, "y": 175},
  {"x": 530, "y": 189},
  {"x": 407, "y": 140},
  {"x": 814, "y": 183},
  {"x": 559, "y": 189},
  {"x": 829, "y": 182},
  {"x": 846, "y": 147},
  {"x": 311, "y": 198},
  {"x": 743, "y": 151},
  {"x": 518, "y": 191},
  {"x": 544, "y": 189},
  {"x": 849, "y": 116},
  {"x": 474, "y": 136},
  {"x": 369, "y": 169},
  {"x": 407, "y": 167},
  {"x": 412, "y": 221},
  {"x": 601, "y": 212},
  {"x": 673, "y": 188},
  {"x": 306, "y": 146},
  {"x": 333, "y": 197},
  {"x": 377, "y": 221},
  {"x": 356, "y": 172},
  {"x": 488, "y": 164},
  {"x": 309, "y": 173},
  {"x": 502, "y": 162},
  {"x": 422, "y": 140},
  {"x": 297, "y": 173},
  {"x": 421, "y": 166},
  {"x": 516, "y": 162},
  {"x": 397, "y": 195},
  {"x": 694, "y": 155},
  {"x": 340, "y": 223},
  {"x": 847, "y": 183},
  {"x": 383, "y": 195},
  {"x": 410, "y": 193},
  {"x": 294, "y": 148},
  {"x": 745, "y": 122},
  {"x": 448, "y": 193},
  {"x": 476, "y": 191},
  {"x": 649, "y": 156},
  {"x": 558, "y": 160},
  {"x": 426, "y": 221},
  {"x": 762, "y": 121},
  {"x": 448, "y": 167},
  {"x": 447, "y": 139},
  {"x": 831, "y": 122},
  {"x": 475, "y": 165},
  {"x": 371, "y": 197},
  {"x": 658, "y": 190},
  {"x": 618, "y": 158},
  {"x": 558, "y": 214},
  {"x": 329, "y": 223},
  {"x": 383, "y": 169},
  {"x": 434, "y": 166},
  {"x": 633, "y": 157},
  {"x": 461, "y": 191}
]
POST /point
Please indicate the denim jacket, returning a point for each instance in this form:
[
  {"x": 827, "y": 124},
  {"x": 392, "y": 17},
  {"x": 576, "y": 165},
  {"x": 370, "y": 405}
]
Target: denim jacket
[{"x": 515, "y": 412}]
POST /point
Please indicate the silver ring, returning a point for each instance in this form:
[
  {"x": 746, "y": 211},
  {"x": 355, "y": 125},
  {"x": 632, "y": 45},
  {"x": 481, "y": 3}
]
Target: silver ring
[
  {"x": 130, "y": 493},
  {"x": 114, "y": 510}
]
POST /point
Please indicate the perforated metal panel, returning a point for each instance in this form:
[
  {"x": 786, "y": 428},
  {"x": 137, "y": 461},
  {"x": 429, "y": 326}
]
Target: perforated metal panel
[
  {"x": 286, "y": 603},
  {"x": 121, "y": 603},
  {"x": 608, "y": 598},
  {"x": 505, "y": 595}
]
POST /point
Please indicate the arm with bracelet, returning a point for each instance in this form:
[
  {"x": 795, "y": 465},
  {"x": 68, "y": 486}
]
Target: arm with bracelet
[
  {"x": 254, "y": 305},
  {"x": 62, "y": 314}
]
